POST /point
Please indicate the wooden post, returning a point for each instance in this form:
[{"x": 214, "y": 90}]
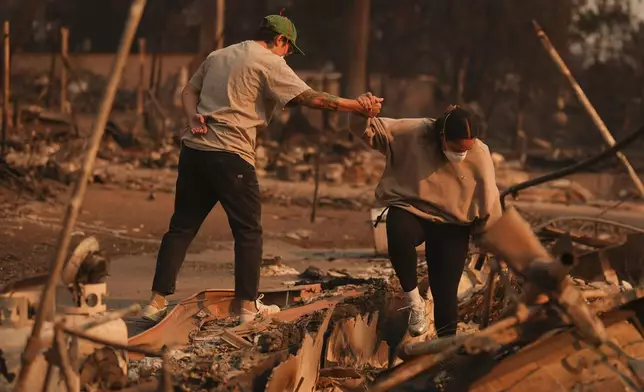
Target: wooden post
[
  {"x": 461, "y": 75},
  {"x": 32, "y": 348},
  {"x": 316, "y": 189},
  {"x": 587, "y": 105},
  {"x": 140, "y": 97},
  {"x": 48, "y": 95},
  {"x": 219, "y": 24},
  {"x": 159, "y": 73},
  {"x": 64, "y": 47},
  {"x": 6, "y": 87},
  {"x": 154, "y": 60},
  {"x": 358, "y": 48},
  {"x": 211, "y": 33},
  {"x": 17, "y": 123}
]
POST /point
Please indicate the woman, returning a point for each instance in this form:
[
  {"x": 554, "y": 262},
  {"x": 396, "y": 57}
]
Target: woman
[{"x": 439, "y": 188}]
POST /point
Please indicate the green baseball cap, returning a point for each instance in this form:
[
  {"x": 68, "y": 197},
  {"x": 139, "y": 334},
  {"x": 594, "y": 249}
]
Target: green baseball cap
[{"x": 282, "y": 25}]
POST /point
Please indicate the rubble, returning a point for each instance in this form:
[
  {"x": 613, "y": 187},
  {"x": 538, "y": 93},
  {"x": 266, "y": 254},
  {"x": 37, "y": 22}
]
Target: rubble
[
  {"x": 342, "y": 332},
  {"x": 360, "y": 334}
]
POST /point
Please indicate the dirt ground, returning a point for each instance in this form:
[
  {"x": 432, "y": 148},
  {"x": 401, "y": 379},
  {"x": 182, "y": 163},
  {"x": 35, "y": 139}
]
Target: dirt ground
[{"x": 128, "y": 222}]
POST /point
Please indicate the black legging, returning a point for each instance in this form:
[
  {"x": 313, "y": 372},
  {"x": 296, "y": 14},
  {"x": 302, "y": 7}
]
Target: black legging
[{"x": 446, "y": 247}]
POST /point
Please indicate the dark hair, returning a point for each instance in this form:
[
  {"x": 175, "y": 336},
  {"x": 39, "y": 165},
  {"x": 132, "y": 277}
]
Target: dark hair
[
  {"x": 457, "y": 124},
  {"x": 264, "y": 34}
]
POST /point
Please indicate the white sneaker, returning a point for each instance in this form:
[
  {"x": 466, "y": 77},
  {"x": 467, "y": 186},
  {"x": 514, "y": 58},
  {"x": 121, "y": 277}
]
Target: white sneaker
[
  {"x": 417, "y": 319},
  {"x": 152, "y": 312},
  {"x": 262, "y": 310}
]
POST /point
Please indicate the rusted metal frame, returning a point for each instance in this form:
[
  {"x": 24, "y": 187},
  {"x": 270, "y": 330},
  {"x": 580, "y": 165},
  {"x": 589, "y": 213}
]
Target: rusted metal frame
[
  {"x": 515, "y": 189},
  {"x": 588, "y": 219},
  {"x": 553, "y": 232}
]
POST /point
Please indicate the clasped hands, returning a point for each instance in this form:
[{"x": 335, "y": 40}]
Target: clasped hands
[{"x": 371, "y": 105}]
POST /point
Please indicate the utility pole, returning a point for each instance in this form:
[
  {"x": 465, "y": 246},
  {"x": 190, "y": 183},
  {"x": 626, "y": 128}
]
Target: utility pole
[{"x": 358, "y": 47}]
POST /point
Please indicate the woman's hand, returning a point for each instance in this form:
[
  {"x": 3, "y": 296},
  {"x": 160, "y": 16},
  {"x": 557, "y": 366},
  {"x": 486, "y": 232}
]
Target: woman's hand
[{"x": 371, "y": 104}]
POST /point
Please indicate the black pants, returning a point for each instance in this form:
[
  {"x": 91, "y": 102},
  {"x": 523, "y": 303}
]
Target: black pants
[
  {"x": 446, "y": 248},
  {"x": 205, "y": 178}
]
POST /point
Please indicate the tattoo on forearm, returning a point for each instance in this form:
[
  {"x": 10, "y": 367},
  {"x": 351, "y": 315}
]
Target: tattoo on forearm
[{"x": 316, "y": 99}]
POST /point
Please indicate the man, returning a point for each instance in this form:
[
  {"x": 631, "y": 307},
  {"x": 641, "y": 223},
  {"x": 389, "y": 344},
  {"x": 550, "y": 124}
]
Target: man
[
  {"x": 439, "y": 188},
  {"x": 232, "y": 96}
]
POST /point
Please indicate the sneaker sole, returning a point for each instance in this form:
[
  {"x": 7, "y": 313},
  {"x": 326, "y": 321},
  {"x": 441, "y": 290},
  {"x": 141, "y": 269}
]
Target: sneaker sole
[{"x": 155, "y": 318}]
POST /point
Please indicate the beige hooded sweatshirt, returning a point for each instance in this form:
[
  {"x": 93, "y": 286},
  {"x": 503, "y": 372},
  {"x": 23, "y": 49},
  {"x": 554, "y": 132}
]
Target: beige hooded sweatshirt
[{"x": 419, "y": 178}]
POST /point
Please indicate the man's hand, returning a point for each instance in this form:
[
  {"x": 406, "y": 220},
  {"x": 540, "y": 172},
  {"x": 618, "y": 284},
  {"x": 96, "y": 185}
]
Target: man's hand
[
  {"x": 371, "y": 104},
  {"x": 198, "y": 124}
]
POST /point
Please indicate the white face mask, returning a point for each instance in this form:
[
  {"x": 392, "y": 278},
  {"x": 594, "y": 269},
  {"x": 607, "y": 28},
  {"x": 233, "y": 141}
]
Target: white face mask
[{"x": 455, "y": 157}]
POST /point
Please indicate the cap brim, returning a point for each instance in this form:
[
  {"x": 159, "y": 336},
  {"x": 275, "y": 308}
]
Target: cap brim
[{"x": 296, "y": 49}]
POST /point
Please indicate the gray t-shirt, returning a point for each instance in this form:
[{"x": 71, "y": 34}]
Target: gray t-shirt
[{"x": 241, "y": 86}]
